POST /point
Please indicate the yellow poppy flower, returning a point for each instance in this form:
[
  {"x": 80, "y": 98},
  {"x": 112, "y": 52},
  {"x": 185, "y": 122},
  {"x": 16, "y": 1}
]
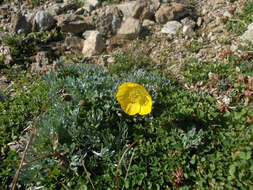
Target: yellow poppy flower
[{"x": 134, "y": 98}]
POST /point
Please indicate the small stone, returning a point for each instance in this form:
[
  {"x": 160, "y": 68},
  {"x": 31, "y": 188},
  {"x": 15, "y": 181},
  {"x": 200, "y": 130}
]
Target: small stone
[
  {"x": 204, "y": 11},
  {"x": 129, "y": 29},
  {"x": 93, "y": 45},
  {"x": 187, "y": 29},
  {"x": 3, "y": 85},
  {"x": 147, "y": 23},
  {"x": 188, "y": 25},
  {"x": 227, "y": 14},
  {"x": 171, "y": 27},
  {"x": 79, "y": 11},
  {"x": 199, "y": 21},
  {"x": 233, "y": 48},
  {"x": 6, "y": 52},
  {"x": 213, "y": 38}
]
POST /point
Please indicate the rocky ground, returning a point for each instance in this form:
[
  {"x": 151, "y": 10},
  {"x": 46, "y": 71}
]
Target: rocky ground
[{"x": 167, "y": 32}]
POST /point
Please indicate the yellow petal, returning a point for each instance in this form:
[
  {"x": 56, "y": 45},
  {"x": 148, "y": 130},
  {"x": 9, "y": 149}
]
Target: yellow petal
[
  {"x": 146, "y": 108},
  {"x": 132, "y": 109}
]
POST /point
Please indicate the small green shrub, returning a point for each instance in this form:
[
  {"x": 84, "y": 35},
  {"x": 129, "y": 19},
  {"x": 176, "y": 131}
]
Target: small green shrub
[
  {"x": 184, "y": 142},
  {"x": 128, "y": 63},
  {"x": 242, "y": 20},
  {"x": 16, "y": 114}
]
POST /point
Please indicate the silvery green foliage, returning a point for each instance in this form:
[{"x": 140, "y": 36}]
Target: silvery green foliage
[
  {"x": 96, "y": 130},
  {"x": 192, "y": 138}
]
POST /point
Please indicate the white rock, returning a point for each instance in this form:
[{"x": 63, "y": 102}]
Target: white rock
[
  {"x": 93, "y": 45},
  {"x": 171, "y": 27}
]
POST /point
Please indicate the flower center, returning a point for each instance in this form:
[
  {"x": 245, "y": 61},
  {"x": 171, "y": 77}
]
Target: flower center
[{"x": 136, "y": 96}]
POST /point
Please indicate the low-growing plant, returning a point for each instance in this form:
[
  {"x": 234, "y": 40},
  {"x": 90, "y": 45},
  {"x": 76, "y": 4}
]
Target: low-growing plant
[
  {"x": 241, "y": 21},
  {"x": 194, "y": 45},
  {"x": 186, "y": 141},
  {"x": 16, "y": 113},
  {"x": 128, "y": 63}
]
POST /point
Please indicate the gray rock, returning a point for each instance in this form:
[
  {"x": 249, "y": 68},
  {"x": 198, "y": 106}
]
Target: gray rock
[
  {"x": 173, "y": 11},
  {"x": 93, "y": 45},
  {"x": 74, "y": 24},
  {"x": 129, "y": 29},
  {"x": 171, "y": 27},
  {"x": 20, "y": 24},
  {"x": 44, "y": 21},
  {"x": 132, "y": 8}
]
